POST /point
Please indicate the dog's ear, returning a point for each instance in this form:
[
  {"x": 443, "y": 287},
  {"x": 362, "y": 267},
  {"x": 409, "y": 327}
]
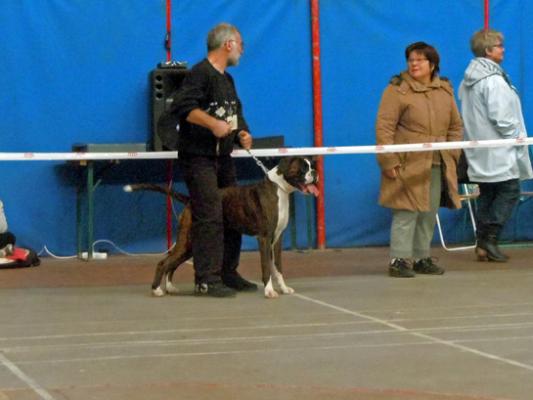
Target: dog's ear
[{"x": 284, "y": 164}]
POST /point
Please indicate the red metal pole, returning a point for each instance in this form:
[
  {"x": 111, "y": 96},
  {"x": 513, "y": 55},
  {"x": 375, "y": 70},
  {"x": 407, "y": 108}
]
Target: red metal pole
[
  {"x": 317, "y": 109},
  {"x": 487, "y": 14},
  {"x": 168, "y": 37}
]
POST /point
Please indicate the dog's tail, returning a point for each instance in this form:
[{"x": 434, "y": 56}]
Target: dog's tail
[{"x": 157, "y": 188}]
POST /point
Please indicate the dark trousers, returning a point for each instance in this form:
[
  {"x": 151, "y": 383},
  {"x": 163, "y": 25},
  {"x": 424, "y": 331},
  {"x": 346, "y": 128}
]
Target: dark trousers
[
  {"x": 6, "y": 238},
  {"x": 495, "y": 205},
  {"x": 215, "y": 248}
]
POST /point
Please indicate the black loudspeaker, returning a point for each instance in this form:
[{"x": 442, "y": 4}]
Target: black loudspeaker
[{"x": 164, "y": 82}]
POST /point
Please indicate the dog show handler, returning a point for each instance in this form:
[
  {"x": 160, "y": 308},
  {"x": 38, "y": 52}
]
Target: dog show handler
[{"x": 211, "y": 121}]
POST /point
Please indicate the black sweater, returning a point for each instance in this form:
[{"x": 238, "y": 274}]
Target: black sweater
[{"x": 207, "y": 89}]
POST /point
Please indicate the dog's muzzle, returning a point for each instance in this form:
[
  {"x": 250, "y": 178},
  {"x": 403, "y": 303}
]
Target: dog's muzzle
[{"x": 309, "y": 186}]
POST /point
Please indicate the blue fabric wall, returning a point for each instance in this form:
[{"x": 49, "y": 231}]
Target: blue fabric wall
[{"x": 76, "y": 71}]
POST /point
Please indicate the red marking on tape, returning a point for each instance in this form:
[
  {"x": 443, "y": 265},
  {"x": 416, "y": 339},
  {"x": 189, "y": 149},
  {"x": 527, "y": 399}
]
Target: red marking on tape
[
  {"x": 28, "y": 155},
  {"x": 520, "y": 140},
  {"x": 133, "y": 154},
  {"x": 427, "y": 145},
  {"x": 283, "y": 150},
  {"x": 474, "y": 142},
  {"x": 380, "y": 148},
  {"x": 331, "y": 149}
]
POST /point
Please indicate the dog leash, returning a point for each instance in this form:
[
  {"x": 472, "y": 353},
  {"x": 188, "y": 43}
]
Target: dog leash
[{"x": 258, "y": 162}]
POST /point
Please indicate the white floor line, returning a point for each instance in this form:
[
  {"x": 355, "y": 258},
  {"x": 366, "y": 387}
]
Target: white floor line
[
  {"x": 420, "y": 332},
  {"x": 417, "y": 334},
  {"x": 131, "y": 333},
  {"x": 40, "y": 391}
]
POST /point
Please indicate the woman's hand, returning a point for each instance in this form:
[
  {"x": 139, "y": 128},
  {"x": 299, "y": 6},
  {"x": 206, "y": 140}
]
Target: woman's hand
[{"x": 391, "y": 173}]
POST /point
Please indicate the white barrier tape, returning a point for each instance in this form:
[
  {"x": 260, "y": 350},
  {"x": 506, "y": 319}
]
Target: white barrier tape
[
  {"x": 390, "y": 148},
  {"x": 279, "y": 152},
  {"x": 81, "y": 156}
]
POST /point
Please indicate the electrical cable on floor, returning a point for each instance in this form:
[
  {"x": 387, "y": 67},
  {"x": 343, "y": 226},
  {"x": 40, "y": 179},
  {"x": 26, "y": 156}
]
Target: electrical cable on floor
[{"x": 46, "y": 251}]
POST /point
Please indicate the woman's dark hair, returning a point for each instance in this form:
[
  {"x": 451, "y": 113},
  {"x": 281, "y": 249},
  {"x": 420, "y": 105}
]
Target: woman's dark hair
[{"x": 428, "y": 51}]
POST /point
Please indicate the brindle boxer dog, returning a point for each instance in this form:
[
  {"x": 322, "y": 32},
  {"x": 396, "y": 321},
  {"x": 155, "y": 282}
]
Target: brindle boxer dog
[{"x": 260, "y": 209}]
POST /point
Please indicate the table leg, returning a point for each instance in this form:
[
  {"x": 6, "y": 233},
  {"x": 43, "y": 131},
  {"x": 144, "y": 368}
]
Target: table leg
[
  {"x": 79, "y": 222},
  {"x": 90, "y": 209}
]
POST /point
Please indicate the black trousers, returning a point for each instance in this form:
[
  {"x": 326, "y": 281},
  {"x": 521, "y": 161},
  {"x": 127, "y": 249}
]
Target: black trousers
[
  {"x": 6, "y": 238},
  {"x": 495, "y": 205},
  {"x": 216, "y": 249}
]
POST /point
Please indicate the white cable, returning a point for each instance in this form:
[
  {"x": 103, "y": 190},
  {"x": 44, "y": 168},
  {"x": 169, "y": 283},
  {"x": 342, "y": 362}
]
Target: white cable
[
  {"x": 119, "y": 249},
  {"x": 46, "y": 251},
  {"x": 112, "y": 244}
]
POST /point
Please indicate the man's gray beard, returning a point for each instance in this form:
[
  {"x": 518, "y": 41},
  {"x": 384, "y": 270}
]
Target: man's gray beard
[{"x": 232, "y": 62}]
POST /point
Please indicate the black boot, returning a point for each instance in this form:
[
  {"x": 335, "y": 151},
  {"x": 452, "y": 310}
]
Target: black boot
[{"x": 487, "y": 245}]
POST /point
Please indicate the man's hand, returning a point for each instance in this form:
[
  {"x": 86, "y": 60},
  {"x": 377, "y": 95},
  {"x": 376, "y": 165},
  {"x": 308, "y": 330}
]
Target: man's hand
[
  {"x": 245, "y": 139},
  {"x": 220, "y": 128}
]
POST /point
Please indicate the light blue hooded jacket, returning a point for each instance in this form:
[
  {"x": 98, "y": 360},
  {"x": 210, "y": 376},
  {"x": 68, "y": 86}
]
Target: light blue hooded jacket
[
  {"x": 3, "y": 222},
  {"x": 491, "y": 109}
]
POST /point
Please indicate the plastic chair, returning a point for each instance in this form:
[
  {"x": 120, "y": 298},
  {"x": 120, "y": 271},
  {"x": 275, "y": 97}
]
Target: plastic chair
[
  {"x": 470, "y": 193},
  {"x": 526, "y": 195}
]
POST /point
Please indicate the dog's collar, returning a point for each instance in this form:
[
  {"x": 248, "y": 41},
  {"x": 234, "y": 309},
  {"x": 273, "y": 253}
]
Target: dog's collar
[{"x": 278, "y": 179}]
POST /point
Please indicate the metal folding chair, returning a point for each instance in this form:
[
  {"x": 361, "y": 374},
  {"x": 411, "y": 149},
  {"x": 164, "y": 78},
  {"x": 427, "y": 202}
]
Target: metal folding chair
[{"x": 470, "y": 193}]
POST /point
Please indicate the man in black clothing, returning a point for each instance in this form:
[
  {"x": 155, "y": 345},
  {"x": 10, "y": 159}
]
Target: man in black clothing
[{"x": 210, "y": 123}]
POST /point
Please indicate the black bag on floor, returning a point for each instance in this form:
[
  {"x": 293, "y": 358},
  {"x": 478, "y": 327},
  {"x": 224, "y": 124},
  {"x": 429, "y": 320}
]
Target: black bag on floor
[{"x": 18, "y": 257}]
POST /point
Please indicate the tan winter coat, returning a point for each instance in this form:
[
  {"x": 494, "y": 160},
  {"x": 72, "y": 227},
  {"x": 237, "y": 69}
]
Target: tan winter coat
[{"x": 411, "y": 112}]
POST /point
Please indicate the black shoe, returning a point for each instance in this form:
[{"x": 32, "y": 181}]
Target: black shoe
[
  {"x": 427, "y": 266},
  {"x": 214, "y": 289},
  {"x": 237, "y": 282},
  {"x": 400, "y": 268},
  {"x": 487, "y": 250}
]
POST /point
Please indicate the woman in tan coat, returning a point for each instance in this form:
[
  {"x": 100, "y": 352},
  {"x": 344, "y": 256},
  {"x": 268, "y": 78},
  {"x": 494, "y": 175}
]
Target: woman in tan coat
[{"x": 417, "y": 107}]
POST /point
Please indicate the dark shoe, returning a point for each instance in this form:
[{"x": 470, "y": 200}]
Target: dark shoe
[
  {"x": 215, "y": 289},
  {"x": 427, "y": 266},
  {"x": 400, "y": 268},
  {"x": 237, "y": 282},
  {"x": 488, "y": 250}
]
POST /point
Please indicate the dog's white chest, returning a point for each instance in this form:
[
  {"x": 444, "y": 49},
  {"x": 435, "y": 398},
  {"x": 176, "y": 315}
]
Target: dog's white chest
[{"x": 283, "y": 213}]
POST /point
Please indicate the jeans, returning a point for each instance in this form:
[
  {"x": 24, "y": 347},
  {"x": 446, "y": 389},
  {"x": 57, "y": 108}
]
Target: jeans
[
  {"x": 215, "y": 248},
  {"x": 495, "y": 204}
]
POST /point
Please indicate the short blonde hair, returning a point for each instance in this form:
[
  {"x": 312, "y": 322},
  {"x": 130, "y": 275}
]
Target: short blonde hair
[{"x": 483, "y": 40}]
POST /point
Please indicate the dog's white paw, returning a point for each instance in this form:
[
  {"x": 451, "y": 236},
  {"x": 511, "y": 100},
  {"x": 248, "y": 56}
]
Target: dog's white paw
[
  {"x": 281, "y": 282},
  {"x": 271, "y": 294},
  {"x": 158, "y": 292},
  {"x": 171, "y": 289},
  {"x": 287, "y": 290}
]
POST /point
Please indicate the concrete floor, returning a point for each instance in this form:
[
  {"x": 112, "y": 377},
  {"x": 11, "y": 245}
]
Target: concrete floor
[{"x": 77, "y": 330}]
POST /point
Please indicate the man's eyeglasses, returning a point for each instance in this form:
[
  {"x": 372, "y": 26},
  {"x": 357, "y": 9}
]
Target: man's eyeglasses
[
  {"x": 241, "y": 43},
  {"x": 500, "y": 45}
]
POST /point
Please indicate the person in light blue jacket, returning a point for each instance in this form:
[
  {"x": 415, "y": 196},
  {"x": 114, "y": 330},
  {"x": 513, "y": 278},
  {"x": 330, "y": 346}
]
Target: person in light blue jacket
[
  {"x": 7, "y": 239},
  {"x": 490, "y": 106}
]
